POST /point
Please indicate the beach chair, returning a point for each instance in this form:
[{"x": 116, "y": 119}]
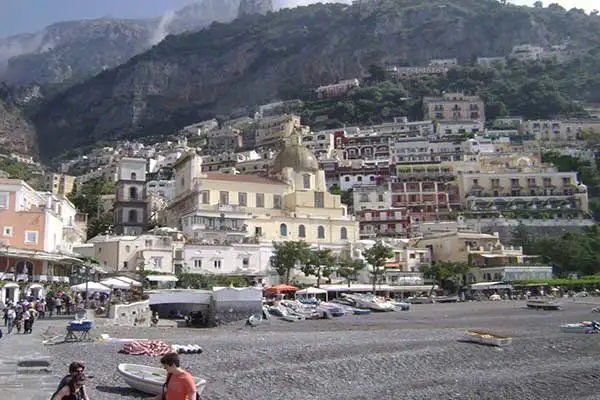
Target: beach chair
[{"x": 78, "y": 331}]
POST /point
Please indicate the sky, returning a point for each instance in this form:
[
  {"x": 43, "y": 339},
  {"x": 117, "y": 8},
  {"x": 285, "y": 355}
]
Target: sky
[{"x": 18, "y": 16}]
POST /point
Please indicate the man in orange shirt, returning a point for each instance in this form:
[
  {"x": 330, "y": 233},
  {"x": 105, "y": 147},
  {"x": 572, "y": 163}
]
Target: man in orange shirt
[{"x": 180, "y": 384}]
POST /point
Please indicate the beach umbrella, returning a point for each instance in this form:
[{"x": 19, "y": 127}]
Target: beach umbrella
[
  {"x": 91, "y": 287},
  {"x": 115, "y": 284},
  {"x": 281, "y": 288}
]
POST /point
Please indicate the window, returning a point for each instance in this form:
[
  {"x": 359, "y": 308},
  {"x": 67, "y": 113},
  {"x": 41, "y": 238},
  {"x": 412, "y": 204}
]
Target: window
[
  {"x": 197, "y": 263},
  {"x": 7, "y": 231},
  {"x": 243, "y": 199},
  {"x": 302, "y": 231},
  {"x": 260, "y": 200},
  {"x": 3, "y": 201},
  {"x": 343, "y": 233},
  {"x": 224, "y": 197},
  {"x": 245, "y": 262},
  {"x": 347, "y": 179},
  {"x": 133, "y": 193},
  {"x": 31, "y": 237},
  {"x": 321, "y": 232},
  {"x": 133, "y": 217},
  {"x": 125, "y": 264},
  {"x": 380, "y": 197},
  {"x": 156, "y": 262},
  {"x": 205, "y": 197},
  {"x": 148, "y": 243},
  {"x": 127, "y": 249},
  {"x": 218, "y": 264},
  {"x": 319, "y": 199},
  {"x": 258, "y": 231},
  {"x": 133, "y": 176},
  {"x": 283, "y": 230},
  {"x": 306, "y": 179},
  {"x": 277, "y": 201}
]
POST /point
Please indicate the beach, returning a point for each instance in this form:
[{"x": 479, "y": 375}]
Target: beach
[{"x": 416, "y": 354}]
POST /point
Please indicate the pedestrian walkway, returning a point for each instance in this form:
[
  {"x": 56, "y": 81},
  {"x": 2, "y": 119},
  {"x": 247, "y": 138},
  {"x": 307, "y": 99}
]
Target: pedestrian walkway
[{"x": 27, "y": 371}]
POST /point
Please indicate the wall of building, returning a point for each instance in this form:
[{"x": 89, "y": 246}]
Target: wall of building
[
  {"x": 235, "y": 304},
  {"x": 134, "y": 314}
]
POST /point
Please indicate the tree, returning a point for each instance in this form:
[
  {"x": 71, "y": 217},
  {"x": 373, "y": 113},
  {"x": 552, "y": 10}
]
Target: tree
[
  {"x": 349, "y": 268},
  {"x": 319, "y": 263},
  {"x": 520, "y": 237},
  {"x": 287, "y": 255},
  {"x": 538, "y": 4},
  {"x": 446, "y": 273},
  {"x": 376, "y": 256}
]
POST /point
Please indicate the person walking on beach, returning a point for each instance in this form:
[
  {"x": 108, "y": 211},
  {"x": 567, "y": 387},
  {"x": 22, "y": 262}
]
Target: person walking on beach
[
  {"x": 180, "y": 384},
  {"x": 25, "y": 317},
  {"x": 10, "y": 319},
  {"x": 73, "y": 390}
]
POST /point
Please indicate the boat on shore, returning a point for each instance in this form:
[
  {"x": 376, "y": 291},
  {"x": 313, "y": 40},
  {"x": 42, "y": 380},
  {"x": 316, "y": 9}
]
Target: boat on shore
[
  {"x": 487, "y": 338},
  {"x": 149, "y": 379},
  {"x": 588, "y": 327},
  {"x": 543, "y": 304}
]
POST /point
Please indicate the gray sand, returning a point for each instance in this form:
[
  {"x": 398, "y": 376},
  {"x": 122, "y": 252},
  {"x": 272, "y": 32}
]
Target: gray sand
[{"x": 414, "y": 355}]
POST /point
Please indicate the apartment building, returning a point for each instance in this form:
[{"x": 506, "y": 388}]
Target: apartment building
[
  {"x": 562, "y": 131},
  {"x": 520, "y": 183},
  {"x": 39, "y": 230},
  {"x": 350, "y": 173},
  {"x": 361, "y": 145},
  {"x": 163, "y": 188},
  {"x": 454, "y": 107},
  {"x": 403, "y": 73},
  {"x": 321, "y": 144},
  {"x": 443, "y": 62},
  {"x": 526, "y": 52},
  {"x": 223, "y": 140},
  {"x": 272, "y": 132},
  {"x": 422, "y": 150},
  {"x": 391, "y": 222},
  {"x": 499, "y": 263},
  {"x": 371, "y": 196},
  {"x": 455, "y": 128},
  {"x": 60, "y": 184},
  {"x": 336, "y": 89}
]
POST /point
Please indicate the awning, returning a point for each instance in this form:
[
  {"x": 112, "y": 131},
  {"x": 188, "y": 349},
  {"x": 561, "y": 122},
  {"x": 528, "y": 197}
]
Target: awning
[
  {"x": 115, "y": 284},
  {"x": 162, "y": 278},
  {"x": 312, "y": 290},
  {"x": 490, "y": 285}
]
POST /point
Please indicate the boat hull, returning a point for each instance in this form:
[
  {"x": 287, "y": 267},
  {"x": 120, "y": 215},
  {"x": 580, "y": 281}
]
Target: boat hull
[
  {"x": 487, "y": 338},
  {"x": 543, "y": 305},
  {"x": 148, "y": 379}
]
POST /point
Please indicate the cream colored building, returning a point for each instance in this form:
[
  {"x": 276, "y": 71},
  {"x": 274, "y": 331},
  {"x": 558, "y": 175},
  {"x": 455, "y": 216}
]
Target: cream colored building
[
  {"x": 454, "y": 107},
  {"x": 60, "y": 184},
  {"x": 455, "y": 246},
  {"x": 520, "y": 182},
  {"x": 272, "y": 132},
  {"x": 562, "y": 131},
  {"x": 291, "y": 204}
]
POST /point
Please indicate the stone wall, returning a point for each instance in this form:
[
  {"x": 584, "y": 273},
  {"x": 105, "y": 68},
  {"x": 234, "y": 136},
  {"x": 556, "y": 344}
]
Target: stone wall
[
  {"x": 235, "y": 304},
  {"x": 134, "y": 314}
]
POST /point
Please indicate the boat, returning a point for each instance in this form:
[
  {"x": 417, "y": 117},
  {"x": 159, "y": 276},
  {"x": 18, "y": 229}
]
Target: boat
[
  {"x": 446, "y": 299},
  {"x": 403, "y": 306},
  {"x": 150, "y": 379},
  {"x": 372, "y": 302},
  {"x": 581, "y": 327},
  {"x": 487, "y": 338},
  {"x": 543, "y": 304},
  {"x": 358, "y": 311},
  {"x": 420, "y": 300}
]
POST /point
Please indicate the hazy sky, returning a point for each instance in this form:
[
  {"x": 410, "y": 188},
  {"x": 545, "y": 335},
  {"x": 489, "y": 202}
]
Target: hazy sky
[{"x": 18, "y": 16}]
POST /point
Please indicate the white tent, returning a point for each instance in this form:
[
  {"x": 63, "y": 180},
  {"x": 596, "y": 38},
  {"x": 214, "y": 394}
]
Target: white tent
[
  {"x": 311, "y": 291},
  {"x": 91, "y": 287},
  {"x": 130, "y": 281},
  {"x": 115, "y": 284}
]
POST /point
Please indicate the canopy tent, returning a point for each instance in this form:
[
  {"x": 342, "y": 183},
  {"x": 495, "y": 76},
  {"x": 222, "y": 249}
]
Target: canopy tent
[
  {"x": 115, "y": 283},
  {"x": 280, "y": 288},
  {"x": 130, "y": 281},
  {"x": 162, "y": 278},
  {"x": 311, "y": 291},
  {"x": 91, "y": 287}
]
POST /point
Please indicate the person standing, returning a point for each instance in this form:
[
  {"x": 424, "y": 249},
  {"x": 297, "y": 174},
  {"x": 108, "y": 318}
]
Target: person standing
[
  {"x": 179, "y": 384},
  {"x": 40, "y": 307},
  {"x": 10, "y": 319},
  {"x": 50, "y": 306},
  {"x": 58, "y": 305},
  {"x": 25, "y": 317}
]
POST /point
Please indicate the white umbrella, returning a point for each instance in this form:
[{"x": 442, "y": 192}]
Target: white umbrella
[
  {"x": 130, "y": 281},
  {"x": 91, "y": 287},
  {"x": 115, "y": 284}
]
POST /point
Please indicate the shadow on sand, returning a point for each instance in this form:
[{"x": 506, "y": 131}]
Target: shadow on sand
[{"x": 124, "y": 391}]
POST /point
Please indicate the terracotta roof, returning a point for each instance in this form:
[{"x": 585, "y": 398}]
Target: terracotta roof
[
  {"x": 10, "y": 181},
  {"x": 220, "y": 176}
]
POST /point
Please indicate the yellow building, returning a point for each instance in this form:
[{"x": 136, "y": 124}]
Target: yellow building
[
  {"x": 292, "y": 203},
  {"x": 59, "y": 184}
]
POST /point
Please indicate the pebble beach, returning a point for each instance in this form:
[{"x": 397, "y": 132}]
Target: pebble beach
[{"x": 416, "y": 354}]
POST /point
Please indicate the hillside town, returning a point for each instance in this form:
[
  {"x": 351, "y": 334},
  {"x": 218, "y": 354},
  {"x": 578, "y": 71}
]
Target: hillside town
[{"x": 217, "y": 197}]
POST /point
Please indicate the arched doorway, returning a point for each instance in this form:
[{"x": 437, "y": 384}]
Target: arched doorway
[
  {"x": 10, "y": 292},
  {"x": 24, "y": 270}
]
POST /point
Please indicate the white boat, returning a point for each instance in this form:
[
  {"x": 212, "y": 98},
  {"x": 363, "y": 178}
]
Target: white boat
[
  {"x": 581, "y": 327},
  {"x": 150, "y": 379},
  {"x": 373, "y": 303},
  {"x": 487, "y": 338}
]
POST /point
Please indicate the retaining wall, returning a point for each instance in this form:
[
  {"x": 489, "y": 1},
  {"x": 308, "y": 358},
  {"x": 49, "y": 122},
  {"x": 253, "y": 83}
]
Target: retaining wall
[{"x": 134, "y": 314}]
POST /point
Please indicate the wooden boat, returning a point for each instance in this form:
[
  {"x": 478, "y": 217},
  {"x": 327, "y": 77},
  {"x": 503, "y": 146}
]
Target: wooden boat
[
  {"x": 487, "y": 338},
  {"x": 589, "y": 327},
  {"x": 150, "y": 379},
  {"x": 543, "y": 304}
]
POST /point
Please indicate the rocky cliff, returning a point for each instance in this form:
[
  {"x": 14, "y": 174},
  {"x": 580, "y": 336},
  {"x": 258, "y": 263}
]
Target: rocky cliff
[
  {"x": 251, "y": 7},
  {"x": 16, "y": 133},
  {"x": 252, "y": 60}
]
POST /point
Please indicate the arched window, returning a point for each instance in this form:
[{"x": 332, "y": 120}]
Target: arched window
[
  {"x": 283, "y": 230},
  {"x": 133, "y": 193},
  {"x": 321, "y": 232},
  {"x": 133, "y": 176},
  {"x": 133, "y": 216},
  {"x": 301, "y": 231},
  {"x": 343, "y": 233},
  {"x": 306, "y": 181}
]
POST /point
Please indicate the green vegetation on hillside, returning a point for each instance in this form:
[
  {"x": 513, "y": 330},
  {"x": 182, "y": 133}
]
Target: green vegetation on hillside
[{"x": 87, "y": 200}]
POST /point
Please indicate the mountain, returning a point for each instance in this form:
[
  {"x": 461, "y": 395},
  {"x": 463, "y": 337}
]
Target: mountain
[
  {"x": 256, "y": 59},
  {"x": 68, "y": 52},
  {"x": 250, "y": 7},
  {"x": 16, "y": 133}
]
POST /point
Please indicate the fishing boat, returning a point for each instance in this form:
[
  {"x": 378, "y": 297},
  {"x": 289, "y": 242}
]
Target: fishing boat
[
  {"x": 581, "y": 327},
  {"x": 487, "y": 338},
  {"x": 150, "y": 379},
  {"x": 543, "y": 304}
]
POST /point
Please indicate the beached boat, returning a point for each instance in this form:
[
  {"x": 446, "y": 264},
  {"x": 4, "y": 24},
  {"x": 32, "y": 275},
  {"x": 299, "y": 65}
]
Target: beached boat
[
  {"x": 149, "y": 379},
  {"x": 543, "y": 304},
  {"x": 371, "y": 302},
  {"x": 581, "y": 327},
  {"x": 487, "y": 338}
]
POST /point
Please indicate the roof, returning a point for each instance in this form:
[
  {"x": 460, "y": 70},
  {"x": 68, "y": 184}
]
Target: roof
[
  {"x": 220, "y": 176},
  {"x": 297, "y": 157}
]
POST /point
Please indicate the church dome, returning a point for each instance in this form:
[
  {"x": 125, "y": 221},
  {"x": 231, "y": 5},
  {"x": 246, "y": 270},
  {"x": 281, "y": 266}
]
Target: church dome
[{"x": 297, "y": 157}]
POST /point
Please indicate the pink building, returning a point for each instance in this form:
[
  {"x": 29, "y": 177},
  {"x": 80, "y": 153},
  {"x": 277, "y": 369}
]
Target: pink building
[{"x": 454, "y": 107}]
